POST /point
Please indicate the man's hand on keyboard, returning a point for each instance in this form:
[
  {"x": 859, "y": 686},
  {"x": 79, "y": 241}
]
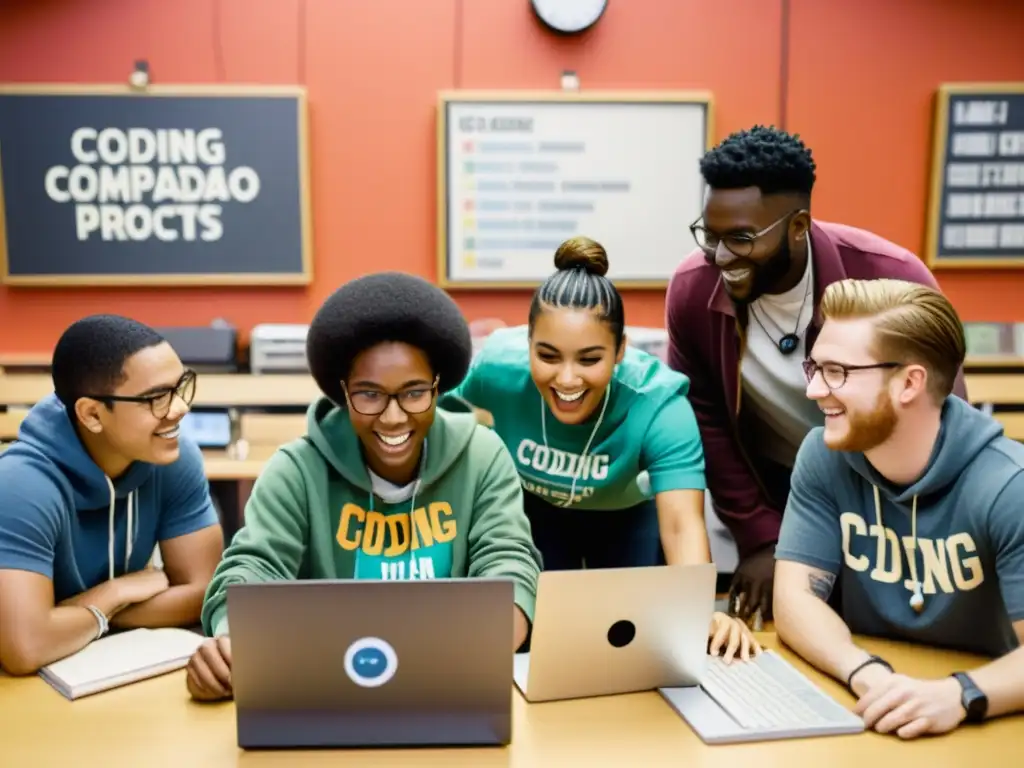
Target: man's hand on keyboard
[
  {"x": 731, "y": 635},
  {"x": 911, "y": 707}
]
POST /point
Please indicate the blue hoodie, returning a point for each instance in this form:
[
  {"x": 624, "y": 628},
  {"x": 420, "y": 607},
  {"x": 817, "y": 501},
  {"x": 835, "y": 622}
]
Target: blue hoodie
[
  {"x": 61, "y": 517},
  {"x": 959, "y": 527}
]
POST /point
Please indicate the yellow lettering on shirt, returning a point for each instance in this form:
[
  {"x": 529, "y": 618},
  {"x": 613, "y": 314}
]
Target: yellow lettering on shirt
[
  {"x": 443, "y": 529},
  {"x": 394, "y": 534},
  {"x": 352, "y": 517}
]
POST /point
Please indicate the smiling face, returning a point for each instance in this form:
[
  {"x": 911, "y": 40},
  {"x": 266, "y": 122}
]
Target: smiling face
[
  {"x": 861, "y": 413},
  {"x": 121, "y": 432},
  {"x": 754, "y": 261},
  {"x": 390, "y": 393},
  {"x": 572, "y": 359}
]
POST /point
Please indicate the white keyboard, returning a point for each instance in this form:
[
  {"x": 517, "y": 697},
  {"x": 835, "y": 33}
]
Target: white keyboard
[{"x": 767, "y": 693}]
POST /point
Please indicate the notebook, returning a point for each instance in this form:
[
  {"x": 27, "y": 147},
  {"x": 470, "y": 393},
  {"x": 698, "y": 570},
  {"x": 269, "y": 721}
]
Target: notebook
[{"x": 120, "y": 659}]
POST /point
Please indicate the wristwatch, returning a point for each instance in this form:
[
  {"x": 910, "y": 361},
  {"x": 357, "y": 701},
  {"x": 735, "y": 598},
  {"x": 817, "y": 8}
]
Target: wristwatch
[{"x": 974, "y": 702}]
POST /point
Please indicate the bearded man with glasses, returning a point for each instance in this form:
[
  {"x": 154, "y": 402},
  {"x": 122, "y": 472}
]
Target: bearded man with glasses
[
  {"x": 742, "y": 313},
  {"x": 909, "y": 500},
  {"x": 98, "y": 477}
]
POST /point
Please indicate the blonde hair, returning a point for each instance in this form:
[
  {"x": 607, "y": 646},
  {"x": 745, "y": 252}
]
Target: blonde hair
[{"x": 913, "y": 324}]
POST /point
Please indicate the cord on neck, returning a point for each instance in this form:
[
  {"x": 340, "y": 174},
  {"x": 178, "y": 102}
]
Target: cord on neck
[
  {"x": 917, "y": 593},
  {"x": 586, "y": 448}
]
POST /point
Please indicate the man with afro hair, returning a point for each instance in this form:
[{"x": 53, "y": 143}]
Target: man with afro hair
[
  {"x": 742, "y": 315},
  {"x": 378, "y": 460}
]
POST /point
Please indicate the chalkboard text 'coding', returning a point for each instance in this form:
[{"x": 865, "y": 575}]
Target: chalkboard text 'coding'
[{"x": 139, "y": 183}]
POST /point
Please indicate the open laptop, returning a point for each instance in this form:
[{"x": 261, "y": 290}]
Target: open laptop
[
  {"x": 617, "y": 630},
  {"x": 208, "y": 429},
  {"x": 345, "y": 663}
]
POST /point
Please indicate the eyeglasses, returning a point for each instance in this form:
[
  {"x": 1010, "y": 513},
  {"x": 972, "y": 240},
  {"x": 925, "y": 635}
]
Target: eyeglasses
[
  {"x": 739, "y": 244},
  {"x": 835, "y": 374},
  {"x": 373, "y": 402},
  {"x": 159, "y": 401}
]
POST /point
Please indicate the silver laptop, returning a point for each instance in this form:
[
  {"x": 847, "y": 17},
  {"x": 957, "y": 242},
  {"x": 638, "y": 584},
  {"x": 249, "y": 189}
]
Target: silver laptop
[
  {"x": 372, "y": 663},
  {"x": 759, "y": 700},
  {"x": 617, "y": 630}
]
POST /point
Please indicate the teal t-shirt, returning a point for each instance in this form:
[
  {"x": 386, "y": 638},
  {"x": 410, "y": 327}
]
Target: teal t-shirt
[
  {"x": 648, "y": 427},
  {"x": 398, "y": 543}
]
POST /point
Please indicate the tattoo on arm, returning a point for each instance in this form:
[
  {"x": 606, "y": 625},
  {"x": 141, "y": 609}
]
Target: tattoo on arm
[{"x": 821, "y": 583}]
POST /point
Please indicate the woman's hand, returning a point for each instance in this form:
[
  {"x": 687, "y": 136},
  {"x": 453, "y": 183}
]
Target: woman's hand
[{"x": 732, "y": 635}]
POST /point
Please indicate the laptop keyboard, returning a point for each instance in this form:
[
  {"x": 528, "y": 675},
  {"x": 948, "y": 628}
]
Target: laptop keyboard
[{"x": 767, "y": 693}]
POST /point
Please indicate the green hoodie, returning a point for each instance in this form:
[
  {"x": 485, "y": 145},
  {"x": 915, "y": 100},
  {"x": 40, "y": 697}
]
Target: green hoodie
[{"x": 312, "y": 515}]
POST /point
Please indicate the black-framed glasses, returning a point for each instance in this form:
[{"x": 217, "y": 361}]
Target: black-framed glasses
[
  {"x": 835, "y": 374},
  {"x": 159, "y": 400},
  {"x": 373, "y": 402},
  {"x": 737, "y": 243}
]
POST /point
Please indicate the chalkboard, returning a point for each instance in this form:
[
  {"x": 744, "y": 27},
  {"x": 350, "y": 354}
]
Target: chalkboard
[
  {"x": 519, "y": 173},
  {"x": 103, "y": 185},
  {"x": 976, "y": 206}
]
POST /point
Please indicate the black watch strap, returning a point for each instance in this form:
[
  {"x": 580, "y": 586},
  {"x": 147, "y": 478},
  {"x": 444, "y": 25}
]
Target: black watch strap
[
  {"x": 871, "y": 660},
  {"x": 973, "y": 700}
]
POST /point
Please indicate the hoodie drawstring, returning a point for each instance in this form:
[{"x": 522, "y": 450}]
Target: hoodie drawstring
[
  {"x": 132, "y": 513},
  {"x": 917, "y": 598},
  {"x": 412, "y": 509},
  {"x": 412, "y": 505}
]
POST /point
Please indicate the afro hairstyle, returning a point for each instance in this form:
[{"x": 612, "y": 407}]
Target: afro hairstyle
[
  {"x": 90, "y": 355},
  {"x": 767, "y": 158},
  {"x": 382, "y": 307}
]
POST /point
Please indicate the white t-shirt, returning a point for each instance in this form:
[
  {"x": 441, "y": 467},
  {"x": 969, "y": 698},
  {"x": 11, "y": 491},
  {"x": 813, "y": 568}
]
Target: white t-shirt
[{"x": 774, "y": 387}]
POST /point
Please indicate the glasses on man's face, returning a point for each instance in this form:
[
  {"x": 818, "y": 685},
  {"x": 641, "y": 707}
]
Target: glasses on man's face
[
  {"x": 740, "y": 244},
  {"x": 159, "y": 400},
  {"x": 373, "y": 402},
  {"x": 835, "y": 374}
]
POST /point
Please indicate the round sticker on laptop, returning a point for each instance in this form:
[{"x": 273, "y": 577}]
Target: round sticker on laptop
[{"x": 370, "y": 662}]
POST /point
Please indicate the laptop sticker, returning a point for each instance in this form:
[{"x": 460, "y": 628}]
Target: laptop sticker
[{"x": 370, "y": 662}]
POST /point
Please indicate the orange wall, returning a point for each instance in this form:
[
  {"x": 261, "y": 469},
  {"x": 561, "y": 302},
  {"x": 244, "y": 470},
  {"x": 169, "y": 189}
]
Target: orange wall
[{"x": 859, "y": 91}]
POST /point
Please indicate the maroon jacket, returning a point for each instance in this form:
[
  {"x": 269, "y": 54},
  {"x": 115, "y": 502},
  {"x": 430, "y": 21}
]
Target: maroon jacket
[{"x": 705, "y": 343}]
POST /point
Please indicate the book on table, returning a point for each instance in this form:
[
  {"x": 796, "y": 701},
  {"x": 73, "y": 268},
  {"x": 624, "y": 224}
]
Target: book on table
[{"x": 120, "y": 659}]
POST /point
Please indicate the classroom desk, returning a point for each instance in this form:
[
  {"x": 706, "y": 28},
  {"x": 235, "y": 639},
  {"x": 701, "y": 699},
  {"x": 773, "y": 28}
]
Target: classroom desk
[
  {"x": 213, "y": 390},
  {"x": 219, "y": 467},
  {"x": 154, "y": 723}
]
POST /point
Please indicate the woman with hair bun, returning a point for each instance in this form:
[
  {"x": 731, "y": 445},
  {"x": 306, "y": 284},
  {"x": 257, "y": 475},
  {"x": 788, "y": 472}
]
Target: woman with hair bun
[{"x": 603, "y": 437}]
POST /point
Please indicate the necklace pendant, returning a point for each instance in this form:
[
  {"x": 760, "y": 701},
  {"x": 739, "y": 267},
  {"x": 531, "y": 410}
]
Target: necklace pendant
[{"x": 789, "y": 343}]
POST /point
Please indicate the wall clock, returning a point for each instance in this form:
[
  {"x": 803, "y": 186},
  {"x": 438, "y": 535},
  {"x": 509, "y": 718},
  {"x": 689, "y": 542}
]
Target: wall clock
[{"x": 569, "y": 17}]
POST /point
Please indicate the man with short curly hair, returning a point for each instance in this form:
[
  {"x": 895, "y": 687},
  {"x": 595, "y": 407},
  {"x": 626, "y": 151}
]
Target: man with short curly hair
[
  {"x": 378, "y": 461},
  {"x": 742, "y": 314}
]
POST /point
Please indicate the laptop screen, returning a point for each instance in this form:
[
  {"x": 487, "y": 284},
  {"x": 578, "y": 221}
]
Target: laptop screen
[{"x": 209, "y": 429}]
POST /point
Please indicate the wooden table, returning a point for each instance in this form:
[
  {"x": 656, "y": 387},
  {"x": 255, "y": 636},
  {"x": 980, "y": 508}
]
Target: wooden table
[
  {"x": 154, "y": 724},
  {"x": 219, "y": 467}
]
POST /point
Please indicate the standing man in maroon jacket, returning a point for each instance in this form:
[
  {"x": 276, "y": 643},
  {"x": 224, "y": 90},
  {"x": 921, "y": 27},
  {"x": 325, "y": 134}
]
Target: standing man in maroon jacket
[{"x": 742, "y": 314}]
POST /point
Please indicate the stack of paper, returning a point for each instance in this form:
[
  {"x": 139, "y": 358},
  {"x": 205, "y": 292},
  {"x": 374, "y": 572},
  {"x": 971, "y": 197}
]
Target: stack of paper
[{"x": 120, "y": 659}]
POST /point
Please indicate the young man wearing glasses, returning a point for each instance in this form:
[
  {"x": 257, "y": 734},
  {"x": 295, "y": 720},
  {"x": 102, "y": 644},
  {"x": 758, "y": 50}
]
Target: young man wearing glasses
[
  {"x": 383, "y": 486},
  {"x": 910, "y": 499},
  {"x": 98, "y": 477},
  {"x": 741, "y": 312}
]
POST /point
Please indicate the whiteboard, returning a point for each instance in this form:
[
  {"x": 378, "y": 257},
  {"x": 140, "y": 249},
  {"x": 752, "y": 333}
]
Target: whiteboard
[{"x": 519, "y": 174}]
